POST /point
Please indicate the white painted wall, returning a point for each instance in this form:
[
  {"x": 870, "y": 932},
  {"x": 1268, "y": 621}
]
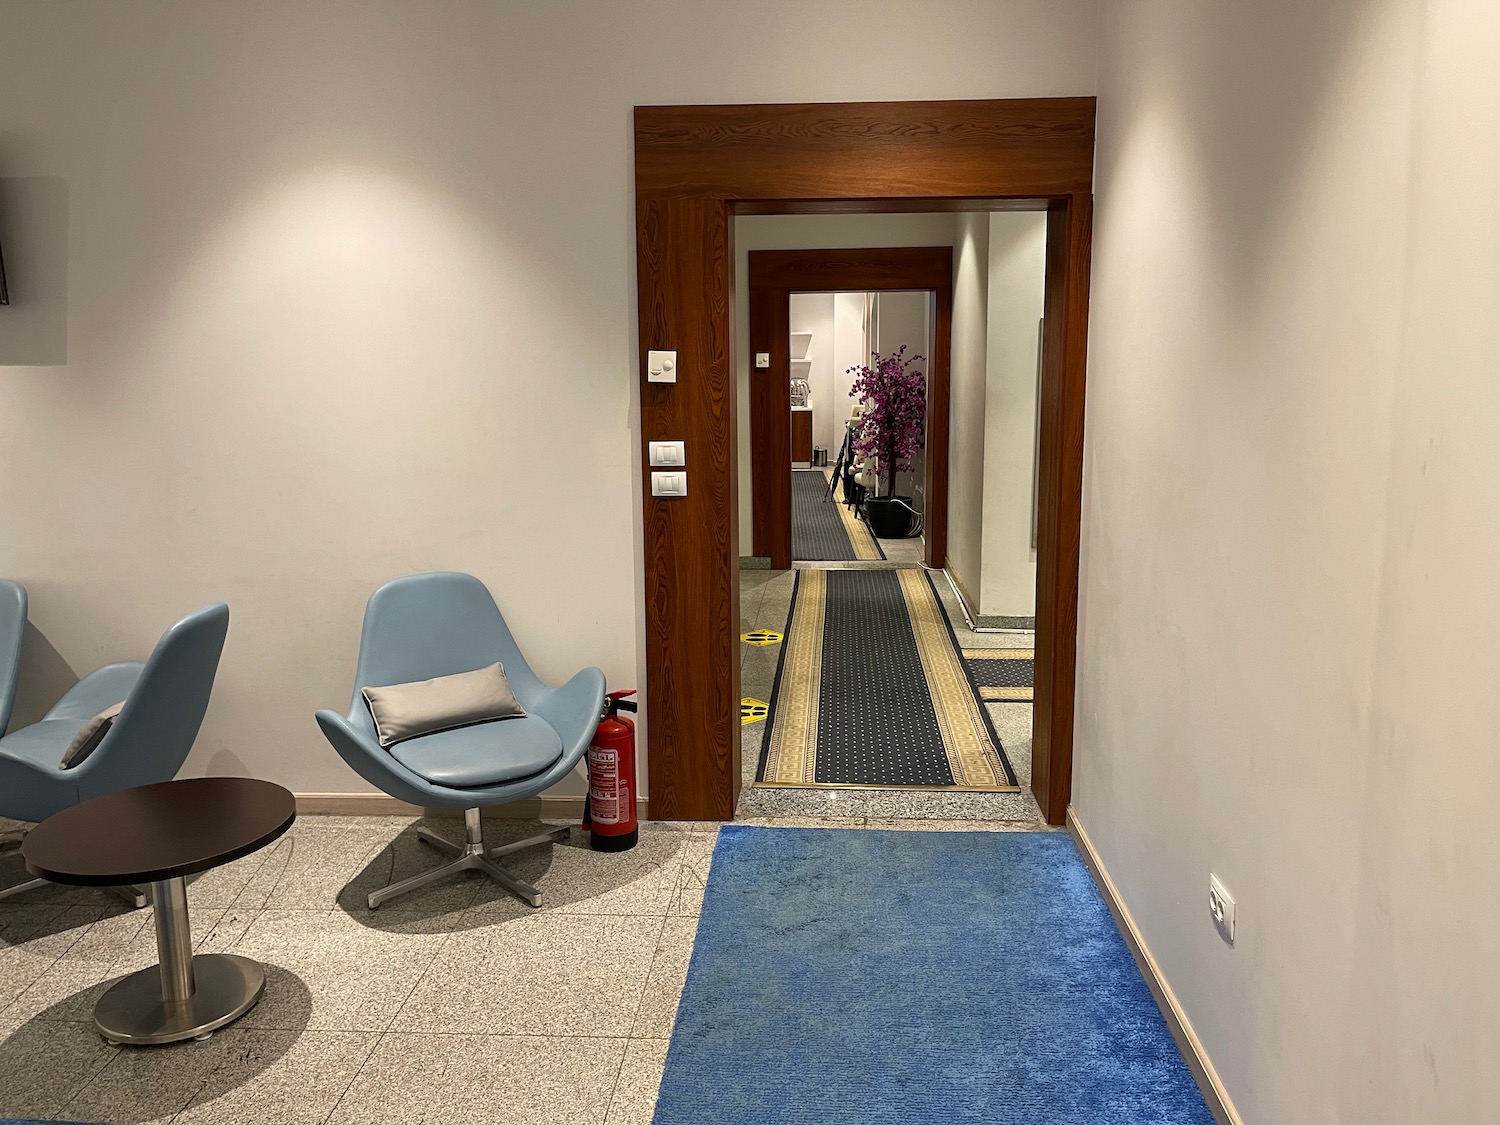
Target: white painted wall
[
  {"x": 1017, "y": 285},
  {"x": 850, "y": 349},
  {"x": 999, "y": 274},
  {"x": 968, "y": 376},
  {"x": 1290, "y": 624},
  {"x": 813, "y": 312},
  {"x": 806, "y": 232},
  {"x": 351, "y": 294}
]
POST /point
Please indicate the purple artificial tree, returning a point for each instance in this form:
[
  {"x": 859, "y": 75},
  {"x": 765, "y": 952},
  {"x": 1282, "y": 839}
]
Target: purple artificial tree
[{"x": 895, "y": 398}]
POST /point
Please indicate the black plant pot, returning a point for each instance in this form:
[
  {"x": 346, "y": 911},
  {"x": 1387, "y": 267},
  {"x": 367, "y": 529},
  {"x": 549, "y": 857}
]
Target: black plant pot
[{"x": 889, "y": 518}]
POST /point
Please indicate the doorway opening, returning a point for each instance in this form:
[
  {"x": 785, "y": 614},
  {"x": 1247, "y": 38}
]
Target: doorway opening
[
  {"x": 841, "y": 344},
  {"x": 864, "y": 304},
  {"x": 697, "y": 169},
  {"x": 876, "y": 693}
]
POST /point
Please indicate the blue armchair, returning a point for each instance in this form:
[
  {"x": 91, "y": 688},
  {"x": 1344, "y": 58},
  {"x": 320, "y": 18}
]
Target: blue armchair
[
  {"x": 429, "y": 625},
  {"x": 12, "y": 631},
  {"x": 164, "y": 701}
]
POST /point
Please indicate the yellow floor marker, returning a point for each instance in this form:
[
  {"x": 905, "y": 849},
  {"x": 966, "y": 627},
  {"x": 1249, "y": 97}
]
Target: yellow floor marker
[
  {"x": 753, "y": 710},
  {"x": 761, "y": 637}
]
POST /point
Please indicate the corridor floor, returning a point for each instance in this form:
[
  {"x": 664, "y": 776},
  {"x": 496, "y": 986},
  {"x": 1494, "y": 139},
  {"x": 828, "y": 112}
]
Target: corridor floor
[
  {"x": 460, "y": 1005},
  {"x": 765, "y": 604}
]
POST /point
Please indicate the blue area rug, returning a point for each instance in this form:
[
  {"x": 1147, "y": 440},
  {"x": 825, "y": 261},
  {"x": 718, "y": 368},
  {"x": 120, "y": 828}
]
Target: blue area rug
[{"x": 911, "y": 978}]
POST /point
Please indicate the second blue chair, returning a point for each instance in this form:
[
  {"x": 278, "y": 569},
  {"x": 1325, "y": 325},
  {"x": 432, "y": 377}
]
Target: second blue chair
[
  {"x": 164, "y": 701},
  {"x": 429, "y": 625}
]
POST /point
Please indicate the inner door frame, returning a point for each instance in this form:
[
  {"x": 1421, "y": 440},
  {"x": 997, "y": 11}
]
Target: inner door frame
[
  {"x": 695, "y": 168},
  {"x": 773, "y": 276}
]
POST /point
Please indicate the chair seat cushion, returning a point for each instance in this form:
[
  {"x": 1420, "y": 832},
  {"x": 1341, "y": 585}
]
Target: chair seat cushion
[{"x": 483, "y": 754}]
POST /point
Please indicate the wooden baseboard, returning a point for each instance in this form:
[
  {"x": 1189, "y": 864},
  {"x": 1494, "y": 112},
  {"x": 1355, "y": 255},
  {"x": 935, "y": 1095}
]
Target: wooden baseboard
[
  {"x": 1202, "y": 1067},
  {"x": 546, "y": 807}
]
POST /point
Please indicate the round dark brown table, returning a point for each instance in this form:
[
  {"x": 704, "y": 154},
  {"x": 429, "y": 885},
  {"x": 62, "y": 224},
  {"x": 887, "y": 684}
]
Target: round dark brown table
[{"x": 160, "y": 834}]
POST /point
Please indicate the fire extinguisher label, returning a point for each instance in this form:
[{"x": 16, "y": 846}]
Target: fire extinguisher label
[{"x": 604, "y": 785}]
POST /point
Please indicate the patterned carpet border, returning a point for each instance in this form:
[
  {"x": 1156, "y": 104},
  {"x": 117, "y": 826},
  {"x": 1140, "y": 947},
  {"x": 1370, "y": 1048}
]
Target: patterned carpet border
[
  {"x": 800, "y": 743},
  {"x": 1003, "y": 675}
]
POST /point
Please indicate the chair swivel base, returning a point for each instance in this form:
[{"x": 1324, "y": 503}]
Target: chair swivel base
[
  {"x": 133, "y": 895},
  {"x": 472, "y": 855}
]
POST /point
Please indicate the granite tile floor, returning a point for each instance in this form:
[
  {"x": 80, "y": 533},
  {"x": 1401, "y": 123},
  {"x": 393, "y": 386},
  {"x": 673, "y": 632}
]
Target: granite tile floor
[{"x": 454, "y": 1004}]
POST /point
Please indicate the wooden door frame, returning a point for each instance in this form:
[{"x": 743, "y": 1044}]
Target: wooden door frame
[
  {"x": 695, "y": 168},
  {"x": 773, "y": 276}
]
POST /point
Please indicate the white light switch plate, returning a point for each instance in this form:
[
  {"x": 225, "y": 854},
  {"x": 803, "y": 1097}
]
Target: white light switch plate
[
  {"x": 669, "y": 485},
  {"x": 762, "y": 359},
  {"x": 661, "y": 367},
  {"x": 666, "y": 454}
]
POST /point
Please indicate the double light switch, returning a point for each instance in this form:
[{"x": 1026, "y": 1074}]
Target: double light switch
[{"x": 668, "y": 454}]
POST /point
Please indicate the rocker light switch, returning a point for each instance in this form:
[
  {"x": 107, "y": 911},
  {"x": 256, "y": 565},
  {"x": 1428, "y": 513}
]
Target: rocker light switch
[
  {"x": 666, "y": 454},
  {"x": 670, "y": 485},
  {"x": 661, "y": 367}
]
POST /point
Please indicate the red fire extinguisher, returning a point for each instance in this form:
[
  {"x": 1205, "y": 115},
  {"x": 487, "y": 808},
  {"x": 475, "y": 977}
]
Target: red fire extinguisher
[{"x": 609, "y": 813}]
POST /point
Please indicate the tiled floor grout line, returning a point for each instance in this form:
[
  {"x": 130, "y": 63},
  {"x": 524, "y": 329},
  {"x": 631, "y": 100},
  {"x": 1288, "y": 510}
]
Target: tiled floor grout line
[
  {"x": 386, "y": 1030},
  {"x": 93, "y": 1077},
  {"x": 353, "y": 1078},
  {"x": 86, "y": 930},
  {"x": 639, "y": 1000}
]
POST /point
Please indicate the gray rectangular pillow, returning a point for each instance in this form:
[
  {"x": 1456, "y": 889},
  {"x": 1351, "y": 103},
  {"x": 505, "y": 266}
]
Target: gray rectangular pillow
[
  {"x": 87, "y": 740},
  {"x": 403, "y": 711}
]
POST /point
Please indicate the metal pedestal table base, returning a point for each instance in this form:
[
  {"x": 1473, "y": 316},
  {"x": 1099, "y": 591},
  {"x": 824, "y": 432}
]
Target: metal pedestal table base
[{"x": 184, "y": 997}]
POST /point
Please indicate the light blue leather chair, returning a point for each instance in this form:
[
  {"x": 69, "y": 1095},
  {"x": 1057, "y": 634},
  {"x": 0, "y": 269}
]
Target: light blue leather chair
[
  {"x": 164, "y": 700},
  {"x": 12, "y": 632},
  {"x": 428, "y": 625}
]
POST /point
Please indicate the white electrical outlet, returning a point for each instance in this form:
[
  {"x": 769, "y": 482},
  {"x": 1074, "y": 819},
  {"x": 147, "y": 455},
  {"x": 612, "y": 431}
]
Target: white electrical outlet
[{"x": 1221, "y": 907}]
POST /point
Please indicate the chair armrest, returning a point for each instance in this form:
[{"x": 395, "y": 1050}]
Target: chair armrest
[
  {"x": 101, "y": 688},
  {"x": 573, "y": 710},
  {"x": 372, "y": 761}
]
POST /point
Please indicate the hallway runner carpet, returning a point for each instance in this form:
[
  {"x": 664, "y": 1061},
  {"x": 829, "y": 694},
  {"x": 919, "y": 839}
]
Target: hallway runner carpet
[
  {"x": 871, "y": 691},
  {"x": 910, "y": 978},
  {"x": 1003, "y": 675},
  {"x": 824, "y": 530}
]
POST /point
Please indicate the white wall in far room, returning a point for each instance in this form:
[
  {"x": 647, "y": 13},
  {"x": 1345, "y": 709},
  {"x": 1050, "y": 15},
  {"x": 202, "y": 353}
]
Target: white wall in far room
[
  {"x": 966, "y": 435},
  {"x": 813, "y": 312},
  {"x": 850, "y": 349},
  {"x": 1017, "y": 286}
]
